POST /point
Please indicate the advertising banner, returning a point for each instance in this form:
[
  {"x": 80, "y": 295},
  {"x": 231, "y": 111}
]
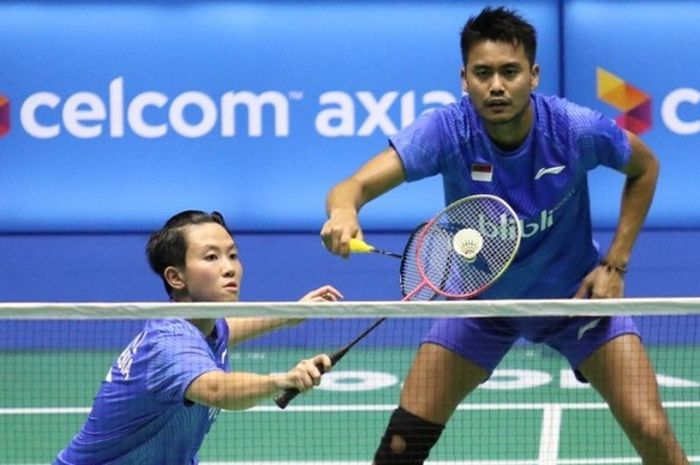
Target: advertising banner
[{"x": 114, "y": 115}]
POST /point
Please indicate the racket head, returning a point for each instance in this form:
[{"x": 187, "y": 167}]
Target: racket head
[{"x": 444, "y": 258}]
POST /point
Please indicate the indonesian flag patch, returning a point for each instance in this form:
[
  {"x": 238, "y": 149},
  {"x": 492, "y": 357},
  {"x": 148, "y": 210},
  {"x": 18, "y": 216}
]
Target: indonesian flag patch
[{"x": 482, "y": 172}]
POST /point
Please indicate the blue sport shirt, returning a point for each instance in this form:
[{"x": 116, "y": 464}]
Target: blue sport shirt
[
  {"x": 544, "y": 180},
  {"x": 140, "y": 415}
]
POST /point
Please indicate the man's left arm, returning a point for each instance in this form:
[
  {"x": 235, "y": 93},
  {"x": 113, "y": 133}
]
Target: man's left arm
[{"x": 642, "y": 171}]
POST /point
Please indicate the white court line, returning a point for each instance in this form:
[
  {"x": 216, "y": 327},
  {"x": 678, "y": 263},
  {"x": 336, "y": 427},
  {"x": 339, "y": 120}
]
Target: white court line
[
  {"x": 598, "y": 461},
  {"x": 362, "y": 408},
  {"x": 582, "y": 461},
  {"x": 549, "y": 435},
  {"x": 345, "y": 462},
  {"x": 462, "y": 462},
  {"x": 44, "y": 410},
  {"x": 469, "y": 407},
  {"x": 607, "y": 461}
]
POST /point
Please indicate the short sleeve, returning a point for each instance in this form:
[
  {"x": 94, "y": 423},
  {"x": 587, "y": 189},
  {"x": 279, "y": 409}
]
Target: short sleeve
[
  {"x": 421, "y": 145},
  {"x": 176, "y": 360},
  {"x": 603, "y": 142}
]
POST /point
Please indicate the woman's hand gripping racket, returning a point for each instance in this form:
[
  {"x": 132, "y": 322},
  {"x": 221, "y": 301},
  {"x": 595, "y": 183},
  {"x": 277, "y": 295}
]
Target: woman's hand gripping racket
[{"x": 458, "y": 254}]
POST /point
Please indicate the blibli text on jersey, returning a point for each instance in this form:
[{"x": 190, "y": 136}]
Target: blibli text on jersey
[{"x": 506, "y": 227}]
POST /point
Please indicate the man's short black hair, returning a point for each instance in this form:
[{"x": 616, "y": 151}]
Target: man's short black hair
[{"x": 499, "y": 25}]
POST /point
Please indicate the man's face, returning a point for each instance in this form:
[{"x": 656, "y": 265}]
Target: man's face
[
  {"x": 499, "y": 80},
  {"x": 213, "y": 271}
]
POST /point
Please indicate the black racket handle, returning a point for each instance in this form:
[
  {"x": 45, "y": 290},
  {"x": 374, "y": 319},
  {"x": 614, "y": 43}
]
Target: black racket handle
[
  {"x": 287, "y": 395},
  {"x": 387, "y": 253}
]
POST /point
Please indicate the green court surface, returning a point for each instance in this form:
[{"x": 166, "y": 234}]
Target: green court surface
[{"x": 530, "y": 412}]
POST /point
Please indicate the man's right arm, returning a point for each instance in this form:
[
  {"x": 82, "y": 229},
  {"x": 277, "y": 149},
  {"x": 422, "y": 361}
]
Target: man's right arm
[{"x": 379, "y": 175}]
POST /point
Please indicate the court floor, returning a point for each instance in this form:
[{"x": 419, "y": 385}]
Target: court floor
[{"x": 532, "y": 411}]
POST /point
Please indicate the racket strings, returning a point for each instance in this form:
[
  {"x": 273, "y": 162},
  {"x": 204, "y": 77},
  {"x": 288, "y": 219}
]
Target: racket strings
[{"x": 450, "y": 272}]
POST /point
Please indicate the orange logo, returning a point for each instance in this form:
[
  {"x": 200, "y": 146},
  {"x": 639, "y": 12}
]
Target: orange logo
[
  {"x": 634, "y": 104},
  {"x": 4, "y": 115}
]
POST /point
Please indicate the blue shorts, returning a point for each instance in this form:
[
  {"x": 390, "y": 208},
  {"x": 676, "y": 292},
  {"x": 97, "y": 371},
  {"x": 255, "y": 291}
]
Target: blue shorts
[{"x": 485, "y": 341}]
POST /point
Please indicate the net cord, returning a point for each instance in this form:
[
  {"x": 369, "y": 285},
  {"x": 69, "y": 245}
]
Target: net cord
[{"x": 373, "y": 309}]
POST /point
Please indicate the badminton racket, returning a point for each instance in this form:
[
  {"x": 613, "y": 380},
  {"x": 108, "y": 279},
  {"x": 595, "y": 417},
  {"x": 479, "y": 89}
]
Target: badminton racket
[{"x": 458, "y": 254}]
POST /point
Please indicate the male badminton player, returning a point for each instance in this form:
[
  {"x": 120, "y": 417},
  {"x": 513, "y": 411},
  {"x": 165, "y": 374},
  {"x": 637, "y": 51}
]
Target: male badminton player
[
  {"x": 163, "y": 393},
  {"x": 534, "y": 151}
]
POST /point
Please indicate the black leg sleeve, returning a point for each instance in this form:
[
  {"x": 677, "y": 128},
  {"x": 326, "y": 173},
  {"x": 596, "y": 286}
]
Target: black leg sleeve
[{"x": 407, "y": 440}]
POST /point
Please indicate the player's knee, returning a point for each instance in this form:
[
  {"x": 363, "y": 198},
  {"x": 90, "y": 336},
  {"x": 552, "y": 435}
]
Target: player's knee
[
  {"x": 407, "y": 440},
  {"x": 647, "y": 428},
  {"x": 652, "y": 429}
]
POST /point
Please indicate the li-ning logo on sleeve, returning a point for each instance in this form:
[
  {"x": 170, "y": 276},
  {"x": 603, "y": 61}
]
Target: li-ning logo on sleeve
[
  {"x": 634, "y": 104},
  {"x": 550, "y": 170}
]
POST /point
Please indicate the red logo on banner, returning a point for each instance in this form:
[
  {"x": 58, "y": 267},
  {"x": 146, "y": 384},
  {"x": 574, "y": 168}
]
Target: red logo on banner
[
  {"x": 634, "y": 104},
  {"x": 4, "y": 115}
]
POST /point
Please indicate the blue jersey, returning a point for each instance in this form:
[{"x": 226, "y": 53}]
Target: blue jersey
[
  {"x": 544, "y": 180},
  {"x": 140, "y": 415}
]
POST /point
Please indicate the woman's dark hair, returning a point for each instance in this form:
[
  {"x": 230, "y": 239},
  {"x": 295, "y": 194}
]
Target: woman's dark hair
[{"x": 168, "y": 246}]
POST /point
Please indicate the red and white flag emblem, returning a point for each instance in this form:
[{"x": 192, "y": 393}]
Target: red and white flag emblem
[{"x": 482, "y": 172}]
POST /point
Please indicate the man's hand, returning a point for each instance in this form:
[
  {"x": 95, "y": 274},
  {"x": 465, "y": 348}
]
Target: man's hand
[
  {"x": 601, "y": 283},
  {"x": 341, "y": 226}
]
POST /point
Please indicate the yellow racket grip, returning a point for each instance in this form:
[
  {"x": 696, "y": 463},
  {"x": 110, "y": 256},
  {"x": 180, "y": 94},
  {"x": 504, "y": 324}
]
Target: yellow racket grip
[{"x": 360, "y": 246}]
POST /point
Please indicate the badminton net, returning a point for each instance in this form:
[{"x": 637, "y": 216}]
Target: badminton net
[{"x": 532, "y": 410}]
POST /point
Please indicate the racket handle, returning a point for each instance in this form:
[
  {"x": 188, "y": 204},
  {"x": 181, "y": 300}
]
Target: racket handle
[
  {"x": 360, "y": 246},
  {"x": 288, "y": 395}
]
